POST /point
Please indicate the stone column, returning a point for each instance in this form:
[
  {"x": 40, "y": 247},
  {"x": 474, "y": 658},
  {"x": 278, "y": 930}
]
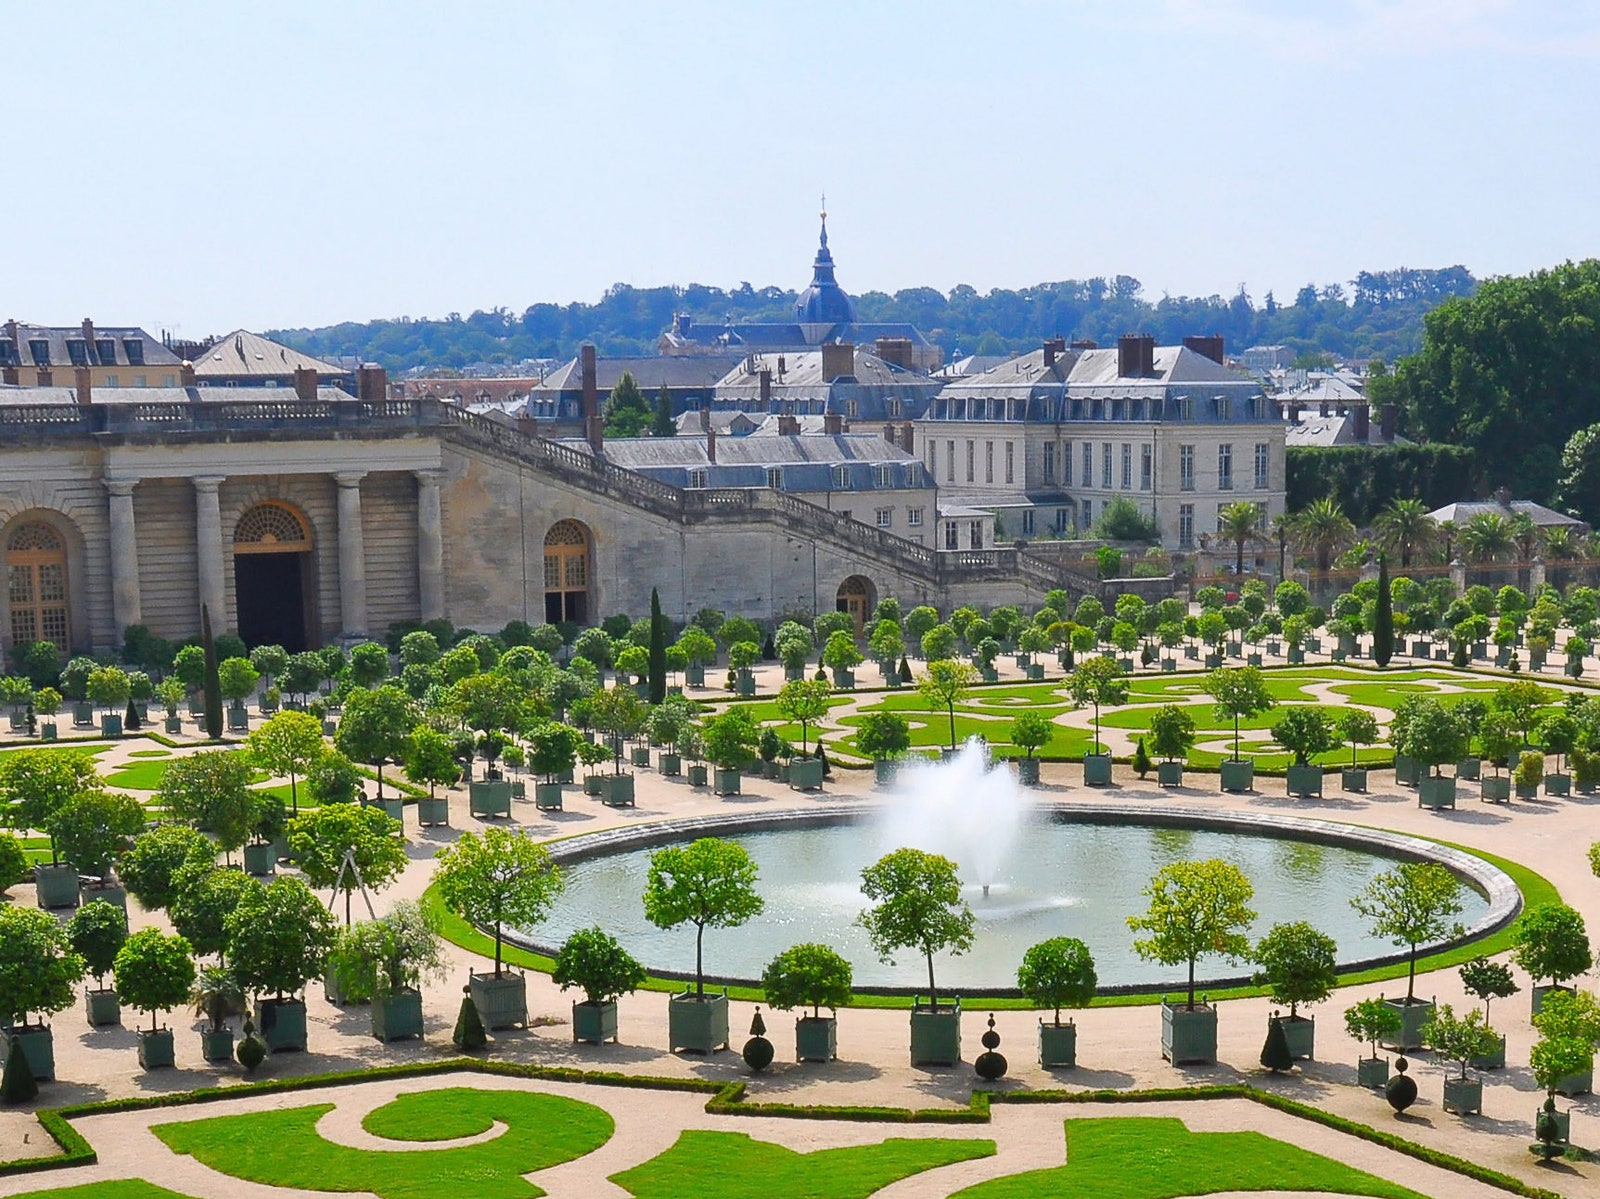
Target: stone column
[
  {"x": 1536, "y": 572},
  {"x": 430, "y": 546},
  {"x": 352, "y": 556},
  {"x": 208, "y": 541},
  {"x": 124, "y": 555},
  {"x": 1458, "y": 575}
]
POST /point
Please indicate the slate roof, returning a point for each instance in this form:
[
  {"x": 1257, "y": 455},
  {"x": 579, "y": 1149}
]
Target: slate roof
[
  {"x": 1462, "y": 512},
  {"x": 650, "y": 372},
  {"x": 47, "y": 396},
  {"x": 1322, "y": 432},
  {"x": 243, "y": 354},
  {"x": 63, "y": 347},
  {"x": 807, "y": 462}
]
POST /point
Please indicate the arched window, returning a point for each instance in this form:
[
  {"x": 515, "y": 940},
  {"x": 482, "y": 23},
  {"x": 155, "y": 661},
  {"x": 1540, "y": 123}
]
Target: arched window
[
  {"x": 36, "y": 582},
  {"x": 858, "y": 597},
  {"x": 566, "y": 573},
  {"x": 270, "y": 528}
]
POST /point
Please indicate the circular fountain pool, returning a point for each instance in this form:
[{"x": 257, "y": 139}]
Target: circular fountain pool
[{"x": 1068, "y": 871}]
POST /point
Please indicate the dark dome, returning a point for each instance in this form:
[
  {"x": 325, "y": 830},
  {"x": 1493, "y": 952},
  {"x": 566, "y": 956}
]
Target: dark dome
[{"x": 824, "y": 302}]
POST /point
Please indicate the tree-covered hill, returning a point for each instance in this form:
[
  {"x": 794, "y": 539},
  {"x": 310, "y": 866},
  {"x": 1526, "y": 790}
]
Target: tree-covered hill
[{"x": 1380, "y": 313}]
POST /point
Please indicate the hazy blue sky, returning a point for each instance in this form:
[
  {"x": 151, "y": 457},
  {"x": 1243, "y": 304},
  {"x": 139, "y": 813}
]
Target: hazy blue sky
[{"x": 199, "y": 167}]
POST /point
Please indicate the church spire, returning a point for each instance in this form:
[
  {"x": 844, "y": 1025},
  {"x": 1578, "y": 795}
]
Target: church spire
[
  {"x": 824, "y": 302},
  {"x": 824, "y": 221}
]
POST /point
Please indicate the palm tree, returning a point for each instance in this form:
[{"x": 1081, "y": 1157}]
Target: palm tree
[
  {"x": 1405, "y": 526},
  {"x": 1448, "y": 531},
  {"x": 1559, "y": 544},
  {"x": 1322, "y": 529},
  {"x": 1488, "y": 537},
  {"x": 1239, "y": 523},
  {"x": 1281, "y": 529},
  {"x": 1526, "y": 534}
]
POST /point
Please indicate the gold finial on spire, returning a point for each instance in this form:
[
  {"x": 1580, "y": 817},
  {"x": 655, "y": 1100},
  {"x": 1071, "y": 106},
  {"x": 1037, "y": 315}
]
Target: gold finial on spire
[{"x": 824, "y": 205}]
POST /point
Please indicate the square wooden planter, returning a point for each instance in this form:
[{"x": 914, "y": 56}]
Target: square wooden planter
[
  {"x": 697, "y": 775},
  {"x": 1463, "y": 1096},
  {"x": 56, "y": 886},
  {"x": 694, "y": 676},
  {"x": 1188, "y": 1035},
  {"x": 261, "y": 860},
  {"x": 1354, "y": 779},
  {"x": 156, "y": 1050},
  {"x": 1169, "y": 774},
  {"x": 1412, "y": 1017},
  {"x": 1097, "y": 770},
  {"x": 283, "y": 1024},
  {"x": 397, "y": 1016},
  {"x": 394, "y": 809},
  {"x": 727, "y": 782},
  {"x": 936, "y": 1034},
  {"x": 102, "y": 1007},
  {"x": 816, "y": 1039},
  {"x": 1372, "y": 1072},
  {"x": 639, "y": 755},
  {"x": 1537, "y": 995},
  {"x": 618, "y": 791},
  {"x": 746, "y": 682},
  {"x": 1028, "y": 771},
  {"x": 671, "y": 765},
  {"x": 805, "y": 774},
  {"x": 1035, "y": 672},
  {"x": 1574, "y": 1084},
  {"x": 547, "y": 797},
  {"x": 173, "y": 725},
  {"x": 595, "y": 1023},
  {"x": 47, "y": 730},
  {"x": 1558, "y": 784},
  {"x": 217, "y": 1046},
  {"x": 1469, "y": 768},
  {"x": 844, "y": 679},
  {"x": 111, "y": 726},
  {"x": 1491, "y": 1061},
  {"x": 1238, "y": 776},
  {"x": 1405, "y": 771},
  {"x": 433, "y": 811},
  {"x": 884, "y": 771},
  {"x": 697, "y": 1023},
  {"x": 1436, "y": 791},
  {"x": 1305, "y": 781},
  {"x": 1297, "y": 657},
  {"x": 594, "y": 784},
  {"x": 1301, "y": 1033},
  {"x": 1169, "y": 666},
  {"x": 489, "y": 798},
  {"x": 38, "y": 1046},
  {"x": 1058, "y": 1045},
  {"x": 502, "y": 1001},
  {"x": 1495, "y": 789},
  {"x": 238, "y": 720}
]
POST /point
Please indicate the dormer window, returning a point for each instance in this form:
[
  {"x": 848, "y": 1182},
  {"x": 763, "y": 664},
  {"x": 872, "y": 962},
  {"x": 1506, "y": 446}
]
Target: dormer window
[
  {"x": 697, "y": 479},
  {"x": 883, "y": 476},
  {"x": 78, "y": 351},
  {"x": 134, "y": 348},
  {"x": 1224, "y": 408},
  {"x": 105, "y": 349},
  {"x": 841, "y": 477},
  {"x": 775, "y": 478},
  {"x": 40, "y": 349}
]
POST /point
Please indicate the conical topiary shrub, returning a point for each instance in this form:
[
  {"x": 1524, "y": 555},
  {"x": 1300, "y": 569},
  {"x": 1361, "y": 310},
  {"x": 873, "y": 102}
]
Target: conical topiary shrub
[
  {"x": 469, "y": 1036},
  {"x": 17, "y": 1085},
  {"x": 1275, "y": 1055}
]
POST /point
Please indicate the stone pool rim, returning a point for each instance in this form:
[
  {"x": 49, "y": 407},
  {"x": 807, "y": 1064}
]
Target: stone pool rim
[{"x": 1503, "y": 895}]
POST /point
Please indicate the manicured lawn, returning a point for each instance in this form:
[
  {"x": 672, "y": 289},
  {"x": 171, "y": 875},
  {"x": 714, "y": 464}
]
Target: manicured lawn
[
  {"x": 1144, "y": 1157},
  {"x": 730, "y": 1165},
  {"x": 147, "y": 775},
  {"x": 126, "y": 1188},
  {"x": 282, "y": 1148}
]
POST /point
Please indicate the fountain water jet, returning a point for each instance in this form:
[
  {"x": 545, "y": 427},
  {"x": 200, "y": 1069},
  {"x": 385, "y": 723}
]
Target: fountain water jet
[{"x": 961, "y": 808}]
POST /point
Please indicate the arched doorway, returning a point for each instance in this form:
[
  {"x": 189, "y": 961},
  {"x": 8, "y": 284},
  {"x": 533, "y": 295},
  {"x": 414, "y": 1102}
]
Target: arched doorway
[
  {"x": 566, "y": 573},
  {"x": 272, "y": 576},
  {"x": 36, "y": 585},
  {"x": 858, "y": 597}
]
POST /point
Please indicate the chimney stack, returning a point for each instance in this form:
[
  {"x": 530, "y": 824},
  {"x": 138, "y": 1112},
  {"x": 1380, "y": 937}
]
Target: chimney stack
[
  {"x": 84, "y": 378},
  {"x": 908, "y": 437},
  {"x": 890, "y": 432},
  {"x": 305, "y": 382},
  {"x": 838, "y": 358},
  {"x": 186, "y": 376},
  {"x": 1207, "y": 347},
  {"x": 1362, "y": 414},
  {"x": 594, "y": 425},
  {"x": 788, "y": 426},
  {"x": 765, "y": 377},
  {"x": 711, "y": 443},
  {"x": 372, "y": 383},
  {"x": 832, "y": 423},
  {"x": 1049, "y": 353},
  {"x": 1391, "y": 416},
  {"x": 1136, "y": 355},
  {"x": 88, "y": 333}
]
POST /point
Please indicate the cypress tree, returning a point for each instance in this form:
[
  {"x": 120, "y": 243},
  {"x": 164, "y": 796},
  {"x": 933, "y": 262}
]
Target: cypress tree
[
  {"x": 658, "y": 649},
  {"x": 1141, "y": 759},
  {"x": 213, "y": 684},
  {"x": 662, "y": 425},
  {"x": 1383, "y": 622}
]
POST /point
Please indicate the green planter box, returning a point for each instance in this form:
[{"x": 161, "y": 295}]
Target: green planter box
[
  {"x": 111, "y": 726},
  {"x": 1536, "y": 997},
  {"x": 502, "y": 1002},
  {"x": 1412, "y": 1017},
  {"x": 745, "y": 684},
  {"x": 173, "y": 725},
  {"x": 1372, "y": 1072},
  {"x": 595, "y": 1023},
  {"x": 1463, "y": 1096},
  {"x": 844, "y": 679},
  {"x": 1297, "y": 656},
  {"x": 1572, "y": 1084},
  {"x": 1189, "y": 1036},
  {"x": 1405, "y": 771},
  {"x": 39, "y": 1047},
  {"x": 1573, "y": 670},
  {"x": 217, "y": 1046},
  {"x": 1169, "y": 666},
  {"x": 106, "y": 892},
  {"x": 884, "y": 771},
  {"x": 261, "y": 860},
  {"x": 1469, "y": 768},
  {"x": 1213, "y": 661},
  {"x": 697, "y": 775},
  {"x": 1495, "y": 789},
  {"x": 397, "y": 1016},
  {"x": 639, "y": 755},
  {"x": 519, "y": 789},
  {"x": 1253, "y": 660},
  {"x": 283, "y": 1024},
  {"x": 433, "y": 811},
  {"x": 805, "y": 774},
  {"x": 1058, "y": 1045},
  {"x": 102, "y": 1007},
  {"x": 1563, "y": 1124},
  {"x": 1558, "y": 784},
  {"x": 1097, "y": 770},
  {"x": 935, "y": 1034},
  {"x": 155, "y": 1049},
  {"x": 547, "y": 797},
  {"x": 1305, "y": 781},
  {"x": 816, "y": 1039},
  {"x": 57, "y": 886},
  {"x": 1354, "y": 778},
  {"x": 727, "y": 782},
  {"x": 1436, "y": 791},
  {"x": 489, "y": 798},
  {"x": 618, "y": 792},
  {"x": 82, "y": 714},
  {"x": 1238, "y": 775},
  {"x": 893, "y": 682},
  {"x": 671, "y": 765},
  {"x": 594, "y": 784},
  {"x": 1035, "y": 672},
  {"x": 988, "y": 674},
  {"x": 238, "y": 720},
  {"x": 1491, "y": 1061},
  {"x": 330, "y": 728},
  {"x": 1527, "y": 790},
  {"x": 47, "y": 730},
  {"x": 1028, "y": 771},
  {"x": 1169, "y": 774},
  {"x": 697, "y": 1023},
  {"x": 694, "y": 676},
  {"x": 394, "y": 809},
  {"x": 1301, "y": 1033}
]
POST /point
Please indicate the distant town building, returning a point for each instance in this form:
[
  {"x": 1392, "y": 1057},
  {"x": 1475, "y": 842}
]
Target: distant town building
[
  {"x": 1501, "y": 504},
  {"x": 112, "y": 356},
  {"x": 1262, "y": 360},
  {"x": 246, "y": 359}
]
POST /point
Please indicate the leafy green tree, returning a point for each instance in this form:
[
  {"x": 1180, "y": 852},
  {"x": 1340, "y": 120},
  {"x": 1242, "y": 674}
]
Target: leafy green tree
[
  {"x": 237, "y": 678},
  {"x": 203, "y": 897},
  {"x": 1298, "y": 963},
  {"x": 1239, "y": 523},
  {"x": 108, "y": 687},
  {"x": 1195, "y": 908},
  {"x": 938, "y": 643},
  {"x": 803, "y": 701},
  {"x": 883, "y": 735},
  {"x": 1550, "y": 941},
  {"x": 1487, "y": 980},
  {"x": 1058, "y": 973},
  {"x": 1412, "y": 904},
  {"x": 36, "y": 783},
  {"x": 149, "y": 869},
  {"x": 1356, "y": 727},
  {"x": 1522, "y": 702},
  {"x": 1031, "y": 731},
  {"x": 95, "y": 932},
  {"x": 1458, "y": 1038},
  {"x": 38, "y": 968},
  {"x": 1305, "y": 730},
  {"x": 278, "y": 936},
  {"x": 1241, "y": 693},
  {"x": 154, "y": 971},
  {"x": 334, "y": 779},
  {"x": 1432, "y": 734},
  {"x": 807, "y": 975},
  {"x": 322, "y": 840},
  {"x": 1372, "y": 1020},
  {"x": 375, "y": 726},
  {"x": 14, "y": 866},
  {"x": 288, "y": 744},
  {"x": 918, "y": 622},
  {"x": 1099, "y": 682},
  {"x": 430, "y": 758},
  {"x": 210, "y": 790},
  {"x": 945, "y": 685},
  {"x": 917, "y": 904},
  {"x": 627, "y": 412},
  {"x": 661, "y": 423},
  {"x": 1172, "y": 732},
  {"x": 368, "y": 665},
  {"x": 496, "y": 879},
  {"x": 594, "y": 961},
  {"x": 94, "y": 828},
  {"x": 709, "y": 883},
  {"x": 621, "y": 714}
]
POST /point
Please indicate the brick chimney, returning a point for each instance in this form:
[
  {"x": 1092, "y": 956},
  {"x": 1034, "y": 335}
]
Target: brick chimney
[
  {"x": 83, "y": 378},
  {"x": 88, "y": 333},
  {"x": 1362, "y": 416},
  {"x": 1210, "y": 346},
  {"x": 1086, "y": 343},
  {"x": 1136, "y": 355},
  {"x": 705, "y": 417},
  {"x": 186, "y": 376},
  {"x": 788, "y": 426},
  {"x": 832, "y": 423},
  {"x": 305, "y": 382},
  {"x": 896, "y": 351},
  {"x": 1049, "y": 353},
  {"x": 1391, "y": 418},
  {"x": 372, "y": 383},
  {"x": 890, "y": 433},
  {"x": 711, "y": 442},
  {"x": 594, "y": 425},
  {"x": 765, "y": 378},
  {"x": 838, "y": 358},
  {"x": 908, "y": 437}
]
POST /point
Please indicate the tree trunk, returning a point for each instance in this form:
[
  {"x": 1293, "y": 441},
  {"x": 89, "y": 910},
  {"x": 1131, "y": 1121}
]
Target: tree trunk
[
  {"x": 933, "y": 994},
  {"x": 699, "y": 971},
  {"x": 497, "y": 949}
]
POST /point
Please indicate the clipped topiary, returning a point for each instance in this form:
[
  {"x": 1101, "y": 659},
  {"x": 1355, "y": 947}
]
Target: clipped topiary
[
  {"x": 251, "y": 1052},
  {"x": 1275, "y": 1055},
  {"x": 1141, "y": 759},
  {"x": 469, "y": 1036},
  {"x": 17, "y": 1084},
  {"x": 757, "y": 1051}
]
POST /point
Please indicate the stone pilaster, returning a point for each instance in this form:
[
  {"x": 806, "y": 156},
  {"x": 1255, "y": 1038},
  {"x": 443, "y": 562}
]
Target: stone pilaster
[
  {"x": 124, "y": 555},
  {"x": 430, "y": 546},
  {"x": 352, "y": 557},
  {"x": 209, "y": 547}
]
